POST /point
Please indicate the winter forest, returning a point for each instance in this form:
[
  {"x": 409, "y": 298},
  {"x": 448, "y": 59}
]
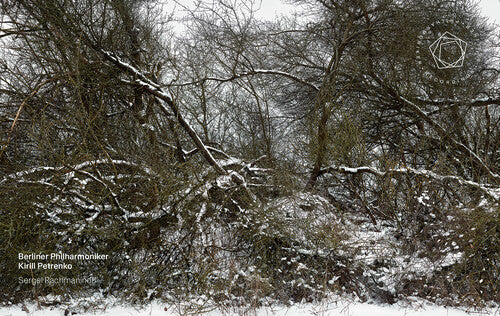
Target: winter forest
[{"x": 351, "y": 147}]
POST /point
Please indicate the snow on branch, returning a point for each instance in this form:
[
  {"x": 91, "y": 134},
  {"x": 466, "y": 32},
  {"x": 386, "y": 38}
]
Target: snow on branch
[
  {"x": 155, "y": 90},
  {"x": 105, "y": 185},
  {"x": 492, "y": 191},
  {"x": 445, "y": 135},
  {"x": 78, "y": 167},
  {"x": 247, "y": 74},
  {"x": 473, "y": 103},
  {"x": 68, "y": 172},
  {"x": 76, "y": 197},
  {"x": 211, "y": 149}
]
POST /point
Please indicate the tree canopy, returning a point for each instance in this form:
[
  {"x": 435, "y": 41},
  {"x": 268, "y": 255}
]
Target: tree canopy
[{"x": 184, "y": 155}]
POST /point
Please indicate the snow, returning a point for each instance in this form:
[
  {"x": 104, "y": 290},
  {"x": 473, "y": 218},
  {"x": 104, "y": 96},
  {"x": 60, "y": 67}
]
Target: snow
[
  {"x": 340, "y": 307},
  {"x": 77, "y": 167},
  {"x": 490, "y": 190},
  {"x": 155, "y": 90}
]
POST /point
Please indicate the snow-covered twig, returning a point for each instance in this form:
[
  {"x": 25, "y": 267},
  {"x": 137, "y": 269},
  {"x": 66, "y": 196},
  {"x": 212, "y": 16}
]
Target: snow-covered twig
[
  {"x": 472, "y": 103},
  {"x": 155, "y": 90},
  {"x": 212, "y": 149},
  {"x": 491, "y": 191},
  {"x": 442, "y": 132},
  {"x": 113, "y": 195},
  {"x": 78, "y": 167}
]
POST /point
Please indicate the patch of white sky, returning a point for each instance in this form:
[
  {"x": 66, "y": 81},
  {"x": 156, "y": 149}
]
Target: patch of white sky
[
  {"x": 263, "y": 10},
  {"x": 270, "y": 9},
  {"x": 491, "y": 9}
]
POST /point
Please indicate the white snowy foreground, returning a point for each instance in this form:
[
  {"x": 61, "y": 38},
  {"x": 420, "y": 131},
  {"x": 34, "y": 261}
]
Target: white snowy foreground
[{"x": 340, "y": 308}]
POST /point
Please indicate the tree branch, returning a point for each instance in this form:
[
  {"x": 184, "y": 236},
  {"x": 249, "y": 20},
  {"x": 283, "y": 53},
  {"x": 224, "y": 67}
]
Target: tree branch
[
  {"x": 154, "y": 89},
  {"x": 246, "y": 74},
  {"x": 442, "y": 133},
  {"x": 491, "y": 191}
]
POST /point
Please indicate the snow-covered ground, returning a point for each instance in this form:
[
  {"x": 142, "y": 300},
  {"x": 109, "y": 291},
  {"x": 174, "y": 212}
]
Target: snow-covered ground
[{"x": 340, "y": 307}]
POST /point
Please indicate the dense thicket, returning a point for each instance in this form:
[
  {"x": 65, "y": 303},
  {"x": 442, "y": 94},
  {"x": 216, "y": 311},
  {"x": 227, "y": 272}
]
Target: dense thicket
[{"x": 242, "y": 159}]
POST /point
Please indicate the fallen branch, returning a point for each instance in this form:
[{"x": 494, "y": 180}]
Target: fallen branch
[
  {"x": 491, "y": 191},
  {"x": 443, "y": 134},
  {"x": 80, "y": 166},
  {"x": 155, "y": 90}
]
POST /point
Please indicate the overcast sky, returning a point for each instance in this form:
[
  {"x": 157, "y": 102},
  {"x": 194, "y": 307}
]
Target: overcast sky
[
  {"x": 491, "y": 8},
  {"x": 271, "y": 8}
]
